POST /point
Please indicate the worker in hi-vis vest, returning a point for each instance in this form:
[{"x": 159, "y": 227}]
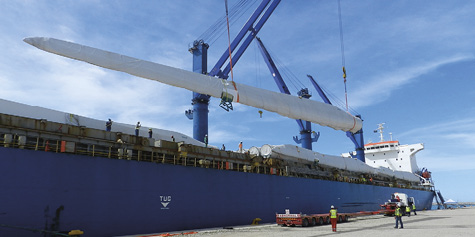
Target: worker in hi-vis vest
[
  {"x": 408, "y": 211},
  {"x": 333, "y": 218},
  {"x": 398, "y": 216},
  {"x": 414, "y": 208}
]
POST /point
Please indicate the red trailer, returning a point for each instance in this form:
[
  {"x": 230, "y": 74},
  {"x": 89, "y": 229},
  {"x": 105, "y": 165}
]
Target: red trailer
[
  {"x": 305, "y": 220},
  {"x": 401, "y": 199}
]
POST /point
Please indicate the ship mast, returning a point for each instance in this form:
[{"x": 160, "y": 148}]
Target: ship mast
[{"x": 380, "y": 129}]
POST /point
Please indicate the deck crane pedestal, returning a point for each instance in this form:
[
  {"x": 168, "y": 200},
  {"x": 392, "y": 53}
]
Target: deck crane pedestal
[{"x": 200, "y": 102}]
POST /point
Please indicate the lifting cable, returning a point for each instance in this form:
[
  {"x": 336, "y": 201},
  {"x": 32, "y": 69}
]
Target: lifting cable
[
  {"x": 258, "y": 70},
  {"x": 342, "y": 54},
  {"x": 217, "y": 29},
  {"x": 229, "y": 47}
]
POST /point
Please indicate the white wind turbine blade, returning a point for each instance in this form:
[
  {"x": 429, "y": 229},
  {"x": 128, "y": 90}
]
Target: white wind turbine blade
[{"x": 283, "y": 104}]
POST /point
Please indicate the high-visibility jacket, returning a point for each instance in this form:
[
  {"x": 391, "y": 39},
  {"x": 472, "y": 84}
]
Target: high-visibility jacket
[
  {"x": 398, "y": 212},
  {"x": 408, "y": 209},
  {"x": 333, "y": 213},
  {"x": 413, "y": 206}
]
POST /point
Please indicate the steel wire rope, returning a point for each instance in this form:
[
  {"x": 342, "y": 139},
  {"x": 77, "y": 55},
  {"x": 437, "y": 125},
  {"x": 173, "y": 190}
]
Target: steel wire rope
[
  {"x": 257, "y": 62},
  {"x": 218, "y": 24},
  {"x": 236, "y": 16},
  {"x": 230, "y": 53},
  {"x": 295, "y": 81},
  {"x": 336, "y": 100},
  {"x": 286, "y": 72},
  {"x": 216, "y": 30},
  {"x": 221, "y": 29},
  {"x": 298, "y": 84},
  {"x": 342, "y": 52},
  {"x": 257, "y": 55}
]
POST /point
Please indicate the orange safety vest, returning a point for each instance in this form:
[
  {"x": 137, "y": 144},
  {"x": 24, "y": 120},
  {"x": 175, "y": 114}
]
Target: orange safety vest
[{"x": 333, "y": 213}]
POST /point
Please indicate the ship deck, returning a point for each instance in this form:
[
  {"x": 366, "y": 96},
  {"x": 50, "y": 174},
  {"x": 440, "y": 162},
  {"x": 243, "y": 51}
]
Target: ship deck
[{"x": 46, "y": 136}]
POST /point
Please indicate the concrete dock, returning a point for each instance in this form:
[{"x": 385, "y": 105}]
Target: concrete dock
[{"x": 449, "y": 222}]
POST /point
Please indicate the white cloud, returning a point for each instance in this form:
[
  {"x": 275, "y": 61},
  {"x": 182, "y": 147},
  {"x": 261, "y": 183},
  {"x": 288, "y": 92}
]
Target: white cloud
[
  {"x": 448, "y": 145},
  {"x": 444, "y": 162},
  {"x": 383, "y": 85},
  {"x": 461, "y": 125}
]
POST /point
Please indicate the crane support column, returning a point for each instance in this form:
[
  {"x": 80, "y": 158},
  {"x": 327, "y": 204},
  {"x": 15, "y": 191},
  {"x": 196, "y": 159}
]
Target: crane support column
[
  {"x": 306, "y": 136},
  {"x": 200, "y": 102},
  {"x": 358, "y": 140}
]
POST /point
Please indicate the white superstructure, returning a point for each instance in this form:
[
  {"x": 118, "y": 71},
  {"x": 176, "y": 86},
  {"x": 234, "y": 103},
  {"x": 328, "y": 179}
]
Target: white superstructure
[{"x": 392, "y": 155}]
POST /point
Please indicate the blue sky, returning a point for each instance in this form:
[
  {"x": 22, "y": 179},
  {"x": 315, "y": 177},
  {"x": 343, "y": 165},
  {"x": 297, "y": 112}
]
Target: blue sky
[{"x": 410, "y": 64}]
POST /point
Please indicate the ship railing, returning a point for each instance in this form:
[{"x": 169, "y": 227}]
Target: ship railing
[
  {"x": 175, "y": 157},
  {"x": 50, "y": 142}
]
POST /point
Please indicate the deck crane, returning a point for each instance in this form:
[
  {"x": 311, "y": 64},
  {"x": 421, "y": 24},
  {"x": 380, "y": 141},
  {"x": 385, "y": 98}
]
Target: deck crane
[
  {"x": 200, "y": 102},
  {"x": 305, "y": 126},
  {"x": 357, "y": 137}
]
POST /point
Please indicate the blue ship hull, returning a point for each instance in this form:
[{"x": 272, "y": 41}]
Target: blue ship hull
[{"x": 109, "y": 197}]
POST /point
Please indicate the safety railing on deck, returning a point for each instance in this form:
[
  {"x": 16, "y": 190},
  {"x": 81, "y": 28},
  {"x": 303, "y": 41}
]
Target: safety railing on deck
[{"x": 175, "y": 157}]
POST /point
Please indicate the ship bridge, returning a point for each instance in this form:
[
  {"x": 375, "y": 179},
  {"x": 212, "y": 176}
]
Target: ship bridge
[
  {"x": 392, "y": 155},
  {"x": 381, "y": 146}
]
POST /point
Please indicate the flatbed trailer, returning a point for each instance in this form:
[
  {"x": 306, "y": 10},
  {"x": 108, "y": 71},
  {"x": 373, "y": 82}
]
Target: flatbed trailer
[
  {"x": 389, "y": 209},
  {"x": 305, "y": 220}
]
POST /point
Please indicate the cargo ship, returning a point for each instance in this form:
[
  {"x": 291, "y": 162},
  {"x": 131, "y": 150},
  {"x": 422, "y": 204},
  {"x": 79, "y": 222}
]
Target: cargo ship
[{"x": 62, "y": 172}]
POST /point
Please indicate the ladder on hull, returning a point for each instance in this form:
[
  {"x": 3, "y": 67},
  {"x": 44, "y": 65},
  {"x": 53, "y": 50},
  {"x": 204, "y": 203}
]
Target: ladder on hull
[{"x": 438, "y": 196}]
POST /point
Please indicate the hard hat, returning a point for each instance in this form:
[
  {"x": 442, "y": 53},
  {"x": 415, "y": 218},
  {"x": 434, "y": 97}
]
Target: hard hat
[
  {"x": 150, "y": 129},
  {"x": 332, "y": 206}
]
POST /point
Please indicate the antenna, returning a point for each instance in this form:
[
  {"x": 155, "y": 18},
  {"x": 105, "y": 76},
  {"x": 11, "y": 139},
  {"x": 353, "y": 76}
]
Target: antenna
[{"x": 380, "y": 129}]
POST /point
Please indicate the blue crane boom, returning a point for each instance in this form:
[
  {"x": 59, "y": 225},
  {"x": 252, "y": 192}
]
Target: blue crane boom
[
  {"x": 216, "y": 70},
  {"x": 200, "y": 102},
  {"x": 305, "y": 126}
]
